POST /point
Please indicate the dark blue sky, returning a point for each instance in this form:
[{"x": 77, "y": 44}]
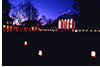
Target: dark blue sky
[{"x": 50, "y": 8}]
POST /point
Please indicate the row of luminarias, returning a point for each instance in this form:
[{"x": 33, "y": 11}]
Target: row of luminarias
[
  {"x": 85, "y": 30},
  {"x": 40, "y": 52},
  {"x": 15, "y": 28},
  {"x": 66, "y": 24}
]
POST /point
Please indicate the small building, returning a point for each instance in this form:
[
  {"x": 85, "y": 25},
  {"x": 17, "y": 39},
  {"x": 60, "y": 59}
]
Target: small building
[{"x": 66, "y": 24}]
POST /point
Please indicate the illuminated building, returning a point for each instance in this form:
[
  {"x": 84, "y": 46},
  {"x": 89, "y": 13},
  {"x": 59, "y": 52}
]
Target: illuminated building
[{"x": 66, "y": 24}]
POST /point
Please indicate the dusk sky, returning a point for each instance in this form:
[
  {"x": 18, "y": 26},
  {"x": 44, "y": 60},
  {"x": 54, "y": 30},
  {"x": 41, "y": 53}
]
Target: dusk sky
[{"x": 49, "y": 8}]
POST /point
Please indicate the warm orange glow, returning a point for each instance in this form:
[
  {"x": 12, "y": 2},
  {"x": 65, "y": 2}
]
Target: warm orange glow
[
  {"x": 10, "y": 28},
  {"x": 32, "y": 28},
  {"x": 65, "y": 24},
  {"x": 7, "y": 28}
]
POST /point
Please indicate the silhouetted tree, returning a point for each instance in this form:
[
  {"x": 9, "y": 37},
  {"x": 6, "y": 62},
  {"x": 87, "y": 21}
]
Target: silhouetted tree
[
  {"x": 55, "y": 23},
  {"x": 17, "y": 13},
  {"x": 5, "y": 10},
  {"x": 43, "y": 20},
  {"x": 49, "y": 22},
  {"x": 24, "y": 12},
  {"x": 30, "y": 11},
  {"x": 76, "y": 5}
]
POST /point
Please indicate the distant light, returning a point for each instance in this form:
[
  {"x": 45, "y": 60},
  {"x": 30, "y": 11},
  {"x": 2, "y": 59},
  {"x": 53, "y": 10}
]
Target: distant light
[
  {"x": 50, "y": 29},
  {"x": 72, "y": 30},
  {"x": 7, "y": 22},
  {"x": 79, "y": 30},
  {"x": 47, "y": 29},
  {"x": 23, "y": 24},
  {"x": 71, "y": 19},
  {"x": 93, "y": 54},
  {"x": 40, "y": 53},
  {"x": 95, "y": 30},
  {"x": 83, "y": 30},
  {"x": 86, "y": 30},
  {"x": 4, "y": 26},
  {"x": 32, "y": 28},
  {"x": 91, "y": 30},
  {"x": 25, "y": 43},
  {"x": 53, "y": 30},
  {"x": 10, "y": 22},
  {"x": 76, "y": 30},
  {"x": 98, "y": 30}
]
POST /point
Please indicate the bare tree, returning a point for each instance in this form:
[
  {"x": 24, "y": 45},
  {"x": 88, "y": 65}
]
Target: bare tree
[
  {"x": 17, "y": 13},
  {"x": 76, "y": 5},
  {"x": 30, "y": 11}
]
